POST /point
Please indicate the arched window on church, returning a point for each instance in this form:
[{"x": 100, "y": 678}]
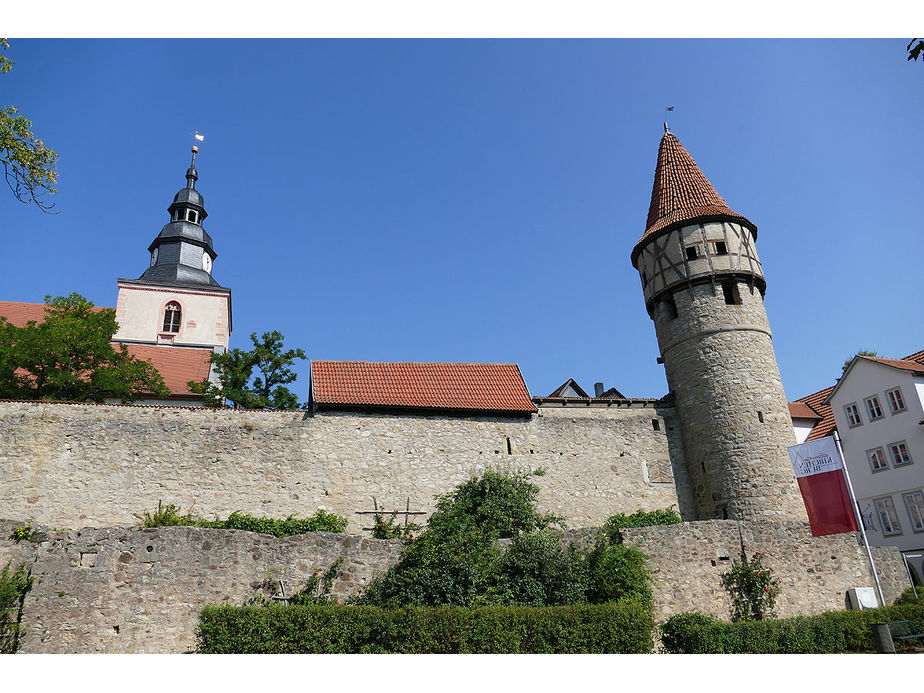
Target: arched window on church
[{"x": 172, "y": 313}]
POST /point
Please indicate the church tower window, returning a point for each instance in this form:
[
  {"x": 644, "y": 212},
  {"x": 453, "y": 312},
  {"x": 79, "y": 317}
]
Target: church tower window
[{"x": 172, "y": 313}]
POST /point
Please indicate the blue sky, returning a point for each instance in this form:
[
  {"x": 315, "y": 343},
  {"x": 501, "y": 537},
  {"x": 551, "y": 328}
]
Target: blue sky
[{"x": 477, "y": 200}]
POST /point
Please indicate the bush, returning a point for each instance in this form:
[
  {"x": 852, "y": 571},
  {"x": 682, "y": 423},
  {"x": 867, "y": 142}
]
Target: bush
[
  {"x": 640, "y": 518},
  {"x": 609, "y": 628},
  {"x": 753, "y": 589},
  {"x": 537, "y": 571},
  {"x": 616, "y": 572},
  {"x": 907, "y": 597},
  {"x": 830, "y": 632},
  {"x": 322, "y": 521},
  {"x": 14, "y": 584}
]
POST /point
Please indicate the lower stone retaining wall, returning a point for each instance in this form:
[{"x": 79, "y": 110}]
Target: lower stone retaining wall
[{"x": 127, "y": 589}]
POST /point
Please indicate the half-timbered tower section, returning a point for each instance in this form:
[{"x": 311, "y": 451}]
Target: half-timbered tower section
[{"x": 704, "y": 288}]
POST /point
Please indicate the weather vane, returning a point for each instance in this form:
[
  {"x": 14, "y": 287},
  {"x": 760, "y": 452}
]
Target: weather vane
[{"x": 667, "y": 127}]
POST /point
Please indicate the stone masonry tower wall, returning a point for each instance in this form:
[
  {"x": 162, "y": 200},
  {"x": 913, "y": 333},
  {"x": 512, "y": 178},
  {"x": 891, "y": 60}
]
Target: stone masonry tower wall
[{"x": 704, "y": 289}]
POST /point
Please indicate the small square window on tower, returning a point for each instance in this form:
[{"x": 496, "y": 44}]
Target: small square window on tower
[
  {"x": 692, "y": 252},
  {"x": 721, "y": 248},
  {"x": 731, "y": 294}
]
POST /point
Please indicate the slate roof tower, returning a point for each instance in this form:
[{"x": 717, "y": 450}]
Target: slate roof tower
[
  {"x": 176, "y": 301},
  {"x": 704, "y": 289}
]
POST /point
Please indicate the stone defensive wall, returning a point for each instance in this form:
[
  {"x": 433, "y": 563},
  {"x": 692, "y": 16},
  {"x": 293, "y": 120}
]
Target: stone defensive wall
[
  {"x": 127, "y": 589},
  {"x": 86, "y": 465}
]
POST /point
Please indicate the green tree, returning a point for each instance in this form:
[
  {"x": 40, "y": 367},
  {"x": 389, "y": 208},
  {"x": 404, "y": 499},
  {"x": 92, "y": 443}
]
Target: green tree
[
  {"x": 915, "y": 48},
  {"x": 69, "y": 356},
  {"x": 238, "y": 384},
  {"x": 28, "y": 165},
  {"x": 862, "y": 352}
]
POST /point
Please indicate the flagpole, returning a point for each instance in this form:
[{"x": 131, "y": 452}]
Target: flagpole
[{"x": 856, "y": 511}]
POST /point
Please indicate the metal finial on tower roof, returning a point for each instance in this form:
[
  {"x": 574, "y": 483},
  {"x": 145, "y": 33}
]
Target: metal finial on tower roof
[{"x": 667, "y": 128}]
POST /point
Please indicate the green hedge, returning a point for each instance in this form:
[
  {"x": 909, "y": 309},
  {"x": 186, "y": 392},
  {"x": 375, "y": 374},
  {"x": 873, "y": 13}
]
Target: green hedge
[
  {"x": 600, "y": 628},
  {"x": 830, "y": 632}
]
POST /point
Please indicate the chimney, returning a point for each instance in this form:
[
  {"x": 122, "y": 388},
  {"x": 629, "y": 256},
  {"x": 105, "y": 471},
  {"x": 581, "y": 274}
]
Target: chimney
[{"x": 598, "y": 389}]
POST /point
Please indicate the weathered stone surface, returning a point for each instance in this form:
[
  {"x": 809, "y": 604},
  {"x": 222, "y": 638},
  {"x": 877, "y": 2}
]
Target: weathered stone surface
[
  {"x": 76, "y": 465},
  {"x": 143, "y": 589},
  {"x": 734, "y": 419},
  {"x": 688, "y": 561}
]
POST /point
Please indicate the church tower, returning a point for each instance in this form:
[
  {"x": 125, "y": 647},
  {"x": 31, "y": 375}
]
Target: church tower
[
  {"x": 704, "y": 288},
  {"x": 176, "y": 301}
]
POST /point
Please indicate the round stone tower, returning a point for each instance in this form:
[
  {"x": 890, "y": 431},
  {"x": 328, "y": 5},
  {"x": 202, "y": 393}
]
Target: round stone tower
[{"x": 704, "y": 288}]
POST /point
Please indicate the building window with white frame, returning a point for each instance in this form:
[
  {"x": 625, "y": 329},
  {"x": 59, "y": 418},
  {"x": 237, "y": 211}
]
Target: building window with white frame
[
  {"x": 914, "y": 503},
  {"x": 172, "y": 312},
  {"x": 873, "y": 408},
  {"x": 900, "y": 454},
  {"x": 877, "y": 459},
  {"x": 853, "y": 415},
  {"x": 888, "y": 519},
  {"x": 896, "y": 402}
]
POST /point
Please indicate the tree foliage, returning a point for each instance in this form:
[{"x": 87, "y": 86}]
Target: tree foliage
[
  {"x": 458, "y": 560},
  {"x": 245, "y": 389},
  {"x": 28, "y": 165},
  {"x": 70, "y": 357},
  {"x": 861, "y": 352},
  {"x": 915, "y": 48}
]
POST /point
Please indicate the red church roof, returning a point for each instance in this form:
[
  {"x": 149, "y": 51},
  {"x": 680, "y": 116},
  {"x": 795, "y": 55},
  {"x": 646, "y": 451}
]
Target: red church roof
[
  {"x": 485, "y": 387},
  {"x": 681, "y": 192}
]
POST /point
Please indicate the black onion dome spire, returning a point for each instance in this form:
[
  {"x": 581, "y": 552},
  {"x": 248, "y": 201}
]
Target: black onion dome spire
[{"x": 182, "y": 253}]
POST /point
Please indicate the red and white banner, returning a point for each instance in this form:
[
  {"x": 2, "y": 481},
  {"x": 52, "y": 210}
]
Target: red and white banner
[{"x": 821, "y": 479}]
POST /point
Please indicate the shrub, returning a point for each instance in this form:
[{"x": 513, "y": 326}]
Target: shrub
[
  {"x": 752, "y": 587},
  {"x": 640, "y": 518},
  {"x": 907, "y": 597},
  {"x": 830, "y": 632},
  {"x": 616, "y": 572},
  {"x": 537, "y": 571},
  {"x": 322, "y": 521},
  {"x": 456, "y": 561},
  {"x": 608, "y": 628},
  {"x": 386, "y": 526},
  {"x": 14, "y": 584}
]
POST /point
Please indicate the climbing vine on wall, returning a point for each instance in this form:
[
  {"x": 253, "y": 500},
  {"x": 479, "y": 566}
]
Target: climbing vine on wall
[{"x": 752, "y": 587}]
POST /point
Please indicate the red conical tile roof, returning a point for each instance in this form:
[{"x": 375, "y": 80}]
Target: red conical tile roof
[{"x": 681, "y": 192}]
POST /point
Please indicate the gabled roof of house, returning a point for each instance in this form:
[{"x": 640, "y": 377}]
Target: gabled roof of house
[
  {"x": 800, "y": 410},
  {"x": 817, "y": 401},
  {"x": 569, "y": 383},
  {"x": 681, "y": 192},
  {"x": 468, "y": 387}
]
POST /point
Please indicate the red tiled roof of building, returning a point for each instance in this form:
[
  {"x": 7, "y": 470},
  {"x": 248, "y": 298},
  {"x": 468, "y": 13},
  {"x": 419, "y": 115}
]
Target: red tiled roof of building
[
  {"x": 176, "y": 365},
  {"x": 20, "y": 313},
  {"x": 800, "y": 410},
  {"x": 904, "y": 364},
  {"x": 816, "y": 401},
  {"x": 456, "y": 386},
  {"x": 681, "y": 192}
]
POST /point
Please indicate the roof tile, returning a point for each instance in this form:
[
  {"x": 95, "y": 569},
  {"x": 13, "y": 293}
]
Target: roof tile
[
  {"x": 681, "y": 192},
  {"x": 454, "y": 386}
]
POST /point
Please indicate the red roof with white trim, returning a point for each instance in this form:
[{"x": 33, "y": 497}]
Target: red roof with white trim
[{"x": 494, "y": 387}]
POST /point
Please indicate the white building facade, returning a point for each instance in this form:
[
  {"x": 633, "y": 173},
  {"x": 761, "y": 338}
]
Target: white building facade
[{"x": 878, "y": 405}]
